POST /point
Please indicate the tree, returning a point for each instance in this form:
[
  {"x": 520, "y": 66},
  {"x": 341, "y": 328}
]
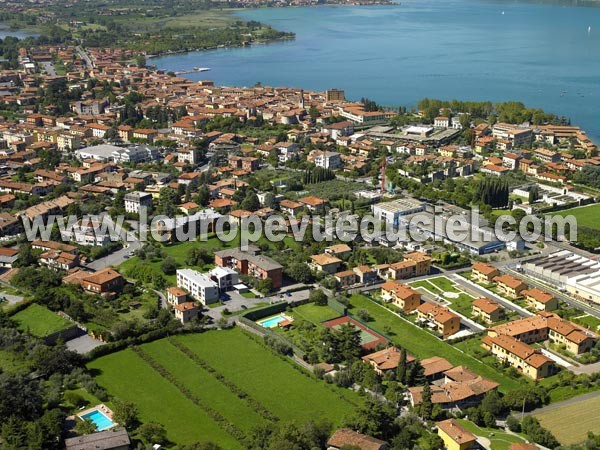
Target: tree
[
  {"x": 203, "y": 196},
  {"x": 85, "y": 426},
  {"x": 140, "y": 60},
  {"x": 26, "y": 256},
  {"x": 318, "y": 297},
  {"x": 534, "y": 194},
  {"x": 270, "y": 201},
  {"x": 299, "y": 272},
  {"x": 402, "y": 367},
  {"x": 426, "y": 406},
  {"x": 348, "y": 342},
  {"x": 250, "y": 202},
  {"x": 375, "y": 419},
  {"x": 125, "y": 413},
  {"x": 169, "y": 265},
  {"x": 153, "y": 433}
]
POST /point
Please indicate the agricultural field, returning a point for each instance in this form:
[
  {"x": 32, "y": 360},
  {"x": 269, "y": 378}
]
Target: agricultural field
[
  {"x": 499, "y": 440},
  {"x": 587, "y": 216},
  {"x": 40, "y": 321},
  {"x": 571, "y": 423},
  {"x": 422, "y": 344},
  {"x": 186, "y": 377}
]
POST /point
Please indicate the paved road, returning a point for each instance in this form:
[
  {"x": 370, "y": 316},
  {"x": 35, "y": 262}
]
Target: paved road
[
  {"x": 12, "y": 299},
  {"x": 118, "y": 257},
  {"x": 83, "y": 55},
  {"x": 479, "y": 291}
]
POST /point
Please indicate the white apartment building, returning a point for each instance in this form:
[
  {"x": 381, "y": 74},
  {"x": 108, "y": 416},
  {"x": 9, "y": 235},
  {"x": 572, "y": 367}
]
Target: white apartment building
[
  {"x": 200, "y": 287},
  {"x": 135, "y": 200}
]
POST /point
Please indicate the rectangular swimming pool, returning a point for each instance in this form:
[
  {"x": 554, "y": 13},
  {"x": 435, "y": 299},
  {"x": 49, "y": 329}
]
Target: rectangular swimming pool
[
  {"x": 272, "y": 322},
  {"x": 99, "y": 419}
]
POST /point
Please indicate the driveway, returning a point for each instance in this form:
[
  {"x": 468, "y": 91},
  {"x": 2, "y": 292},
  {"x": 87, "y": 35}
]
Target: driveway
[{"x": 83, "y": 344}]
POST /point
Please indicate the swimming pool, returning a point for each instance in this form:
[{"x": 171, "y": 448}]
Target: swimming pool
[
  {"x": 99, "y": 419},
  {"x": 272, "y": 322}
]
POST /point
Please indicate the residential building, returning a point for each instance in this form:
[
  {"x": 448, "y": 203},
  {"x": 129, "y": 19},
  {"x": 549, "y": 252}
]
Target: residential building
[
  {"x": 484, "y": 273},
  {"x": 335, "y": 95},
  {"x": 176, "y": 295},
  {"x": 106, "y": 282},
  {"x": 58, "y": 260},
  {"x": 186, "y": 312},
  {"x": 290, "y": 207},
  {"x": 434, "y": 367},
  {"x": 135, "y": 154},
  {"x": 134, "y": 201},
  {"x": 440, "y": 318},
  {"x": 510, "y": 286},
  {"x": 532, "y": 363},
  {"x": 251, "y": 263},
  {"x": 346, "y": 438},
  {"x": 325, "y": 263},
  {"x": 386, "y": 360},
  {"x": 487, "y": 310},
  {"x": 225, "y": 277},
  {"x": 459, "y": 388},
  {"x": 576, "y": 339},
  {"x": 8, "y": 256},
  {"x": 345, "y": 278},
  {"x": 401, "y": 295},
  {"x": 113, "y": 439},
  {"x": 315, "y": 205},
  {"x": 199, "y": 286},
  {"x": 327, "y": 160},
  {"x": 455, "y": 436},
  {"x": 540, "y": 300}
]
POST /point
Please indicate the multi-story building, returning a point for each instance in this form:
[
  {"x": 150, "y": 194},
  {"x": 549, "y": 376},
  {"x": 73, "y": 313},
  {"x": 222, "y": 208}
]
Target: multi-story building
[
  {"x": 199, "y": 286},
  {"x": 510, "y": 286},
  {"x": 134, "y": 201},
  {"x": 401, "y": 295},
  {"x": 251, "y": 263},
  {"x": 487, "y": 310},
  {"x": 455, "y": 437},
  {"x": 105, "y": 281},
  {"x": 327, "y": 160},
  {"x": 540, "y": 299},
  {"x": 484, "y": 273},
  {"x": 532, "y": 363},
  {"x": 444, "y": 321}
]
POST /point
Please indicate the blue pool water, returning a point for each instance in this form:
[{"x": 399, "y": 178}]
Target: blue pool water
[
  {"x": 99, "y": 419},
  {"x": 272, "y": 322}
]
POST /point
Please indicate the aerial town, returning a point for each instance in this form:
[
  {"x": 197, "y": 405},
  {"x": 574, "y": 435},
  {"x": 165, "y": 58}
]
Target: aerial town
[{"x": 111, "y": 341}]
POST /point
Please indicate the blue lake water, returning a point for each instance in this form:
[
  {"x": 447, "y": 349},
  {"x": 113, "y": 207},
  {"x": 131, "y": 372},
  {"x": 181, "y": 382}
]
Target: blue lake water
[{"x": 541, "y": 54}]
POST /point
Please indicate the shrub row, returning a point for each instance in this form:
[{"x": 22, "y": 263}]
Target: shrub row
[
  {"x": 223, "y": 423},
  {"x": 252, "y": 402}
]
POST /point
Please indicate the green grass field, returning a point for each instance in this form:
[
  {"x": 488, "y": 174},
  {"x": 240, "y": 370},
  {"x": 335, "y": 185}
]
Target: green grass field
[
  {"x": 587, "y": 216},
  {"x": 422, "y": 344},
  {"x": 278, "y": 387},
  {"x": 571, "y": 423},
  {"x": 314, "y": 313},
  {"x": 439, "y": 285},
  {"x": 499, "y": 439},
  {"x": 40, "y": 321}
]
